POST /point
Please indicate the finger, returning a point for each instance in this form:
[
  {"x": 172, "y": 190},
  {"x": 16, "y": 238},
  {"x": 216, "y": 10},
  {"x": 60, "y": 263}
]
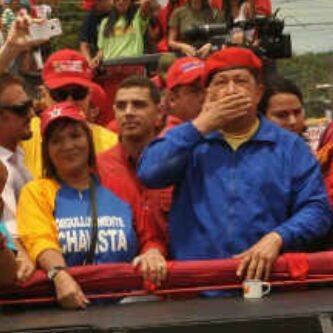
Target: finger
[
  {"x": 136, "y": 261},
  {"x": 144, "y": 268},
  {"x": 268, "y": 268},
  {"x": 82, "y": 301},
  {"x": 260, "y": 269},
  {"x": 153, "y": 270},
  {"x": 242, "y": 266},
  {"x": 252, "y": 267},
  {"x": 162, "y": 272}
]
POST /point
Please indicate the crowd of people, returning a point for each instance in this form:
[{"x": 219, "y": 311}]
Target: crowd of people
[{"x": 205, "y": 160}]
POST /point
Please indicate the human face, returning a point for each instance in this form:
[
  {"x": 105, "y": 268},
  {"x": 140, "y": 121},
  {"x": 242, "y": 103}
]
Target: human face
[
  {"x": 68, "y": 148},
  {"x": 186, "y": 100},
  {"x": 122, "y": 6},
  {"x": 136, "y": 113},
  {"x": 239, "y": 83},
  {"x": 77, "y": 94},
  {"x": 286, "y": 110},
  {"x": 14, "y": 126}
]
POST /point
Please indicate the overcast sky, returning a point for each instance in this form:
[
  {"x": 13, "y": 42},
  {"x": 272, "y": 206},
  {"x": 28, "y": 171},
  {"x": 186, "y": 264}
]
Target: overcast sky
[{"x": 310, "y": 23}]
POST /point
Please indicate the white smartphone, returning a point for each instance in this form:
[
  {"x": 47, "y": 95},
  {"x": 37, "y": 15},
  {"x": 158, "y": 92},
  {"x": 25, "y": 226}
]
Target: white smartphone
[{"x": 45, "y": 30}]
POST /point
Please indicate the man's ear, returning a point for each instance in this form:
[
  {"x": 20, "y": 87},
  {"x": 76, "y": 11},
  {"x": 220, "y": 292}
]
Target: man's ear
[
  {"x": 170, "y": 100},
  {"x": 93, "y": 113},
  {"x": 259, "y": 92},
  {"x": 160, "y": 116}
]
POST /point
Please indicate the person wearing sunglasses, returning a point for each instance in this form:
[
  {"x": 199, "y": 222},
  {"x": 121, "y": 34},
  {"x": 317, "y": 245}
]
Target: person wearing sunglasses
[
  {"x": 15, "y": 116},
  {"x": 68, "y": 218},
  {"x": 7, "y": 247},
  {"x": 282, "y": 103},
  {"x": 67, "y": 76}
]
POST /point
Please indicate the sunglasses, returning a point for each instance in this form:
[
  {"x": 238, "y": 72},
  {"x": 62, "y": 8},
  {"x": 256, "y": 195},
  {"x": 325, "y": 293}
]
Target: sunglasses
[
  {"x": 21, "y": 109},
  {"x": 61, "y": 94}
]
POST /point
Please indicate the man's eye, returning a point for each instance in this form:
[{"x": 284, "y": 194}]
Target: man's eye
[
  {"x": 120, "y": 105},
  {"x": 282, "y": 115},
  {"x": 139, "y": 104}
]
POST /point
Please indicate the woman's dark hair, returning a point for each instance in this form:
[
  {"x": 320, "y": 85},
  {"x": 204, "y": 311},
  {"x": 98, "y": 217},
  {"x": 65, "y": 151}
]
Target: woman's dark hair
[
  {"x": 49, "y": 170},
  {"x": 113, "y": 17},
  {"x": 227, "y": 11},
  {"x": 278, "y": 85},
  {"x": 204, "y": 4}
]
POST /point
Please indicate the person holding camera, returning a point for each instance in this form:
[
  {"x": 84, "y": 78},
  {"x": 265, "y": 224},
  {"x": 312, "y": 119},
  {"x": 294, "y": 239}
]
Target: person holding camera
[{"x": 194, "y": 13}]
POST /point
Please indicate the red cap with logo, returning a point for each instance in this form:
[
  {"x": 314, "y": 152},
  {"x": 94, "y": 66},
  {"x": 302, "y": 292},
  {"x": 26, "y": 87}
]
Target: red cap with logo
[
  {"x": 184, "y": 71},
  {"x": 59, "y": 111},
  {"x": 230, "y": 58},
  {"x": 66, "y": 67}
]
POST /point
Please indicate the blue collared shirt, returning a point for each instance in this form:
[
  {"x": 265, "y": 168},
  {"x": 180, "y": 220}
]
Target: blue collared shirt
[{"x": 226, "y": 200}]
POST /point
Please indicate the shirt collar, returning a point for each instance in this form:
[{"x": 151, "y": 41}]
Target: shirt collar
[
  {"x": 266, "y": 132},
  {"x": 7, "y": 154}
]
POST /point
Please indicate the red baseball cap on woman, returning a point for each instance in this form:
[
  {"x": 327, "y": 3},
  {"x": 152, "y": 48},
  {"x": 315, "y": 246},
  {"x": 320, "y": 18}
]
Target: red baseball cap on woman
[{"x": 60, "y": 111}]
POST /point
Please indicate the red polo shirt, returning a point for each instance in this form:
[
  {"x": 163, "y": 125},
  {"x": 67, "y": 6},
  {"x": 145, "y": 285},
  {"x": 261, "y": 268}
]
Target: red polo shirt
[{"x": 150, "y": 206}]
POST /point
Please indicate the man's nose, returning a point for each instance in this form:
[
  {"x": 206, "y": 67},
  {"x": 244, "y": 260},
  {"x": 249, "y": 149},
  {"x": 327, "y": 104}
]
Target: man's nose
[
  {"x": 231, "y": 87},
  {"x": 129, "y": 109},
  {"x": 292, "y": 119}
]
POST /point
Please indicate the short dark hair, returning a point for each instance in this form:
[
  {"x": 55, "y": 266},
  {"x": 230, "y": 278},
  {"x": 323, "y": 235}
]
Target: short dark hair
[
  {"x": 7, "y": 79},
  {"x": 49, "y": 170},
  {"x": 142, "y": 82},
  {"x": 278, "y": 85}
]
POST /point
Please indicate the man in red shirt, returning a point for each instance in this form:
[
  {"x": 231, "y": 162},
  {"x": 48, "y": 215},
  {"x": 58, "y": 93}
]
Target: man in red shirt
[
  {"x": 138, "y": 116},
  {"x": 185, "y": 90}
]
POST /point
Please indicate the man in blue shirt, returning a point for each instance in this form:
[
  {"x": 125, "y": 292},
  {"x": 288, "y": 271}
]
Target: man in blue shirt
[{"x": 244, "y": 187}]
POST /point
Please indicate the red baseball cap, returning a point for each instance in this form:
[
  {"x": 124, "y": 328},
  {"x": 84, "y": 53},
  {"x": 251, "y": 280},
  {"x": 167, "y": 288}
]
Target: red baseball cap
[
  {"x": 184, "y": 71},
  {"x": 59, "y": 111},
  {"x": 230, "y": 58},
  {"x": 66, "y": 67}
]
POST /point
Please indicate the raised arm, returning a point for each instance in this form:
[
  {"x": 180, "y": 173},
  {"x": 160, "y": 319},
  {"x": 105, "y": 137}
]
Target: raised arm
[{"x": 163, "y": 162}]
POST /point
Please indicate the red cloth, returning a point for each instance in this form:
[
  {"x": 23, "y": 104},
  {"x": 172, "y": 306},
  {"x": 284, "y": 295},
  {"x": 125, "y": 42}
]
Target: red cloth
[
  {"x": 263, "y": 7},
  {"x": 113, "y": 126},
  {"x": 297, "y": 264},
  {"x": 118, "y": 173},
  {"x": 98, "y": 278}
]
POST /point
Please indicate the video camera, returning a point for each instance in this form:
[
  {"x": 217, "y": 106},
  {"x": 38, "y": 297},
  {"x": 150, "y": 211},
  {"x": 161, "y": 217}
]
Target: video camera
[{"x": 270, "y": 42}]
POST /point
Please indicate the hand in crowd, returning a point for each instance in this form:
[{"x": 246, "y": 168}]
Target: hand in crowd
[
  {"x": 204, "y": 51},
  {"x": 257, "y": 261},
  {"x": 18, "y": 35},
  {"x": 68, "y": 291},
  {"x": 145, "y": 5},
  {"x": 189, "y": 50},
  {"x": 94, "y": 62},
  {"x": 152, "y": 265},
  {"x": 219, "y": 111},
  {"x": 25, "y": 267}
]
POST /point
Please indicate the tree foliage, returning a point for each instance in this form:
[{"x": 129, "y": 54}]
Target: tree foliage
[{"x": 309, "y": 71}]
